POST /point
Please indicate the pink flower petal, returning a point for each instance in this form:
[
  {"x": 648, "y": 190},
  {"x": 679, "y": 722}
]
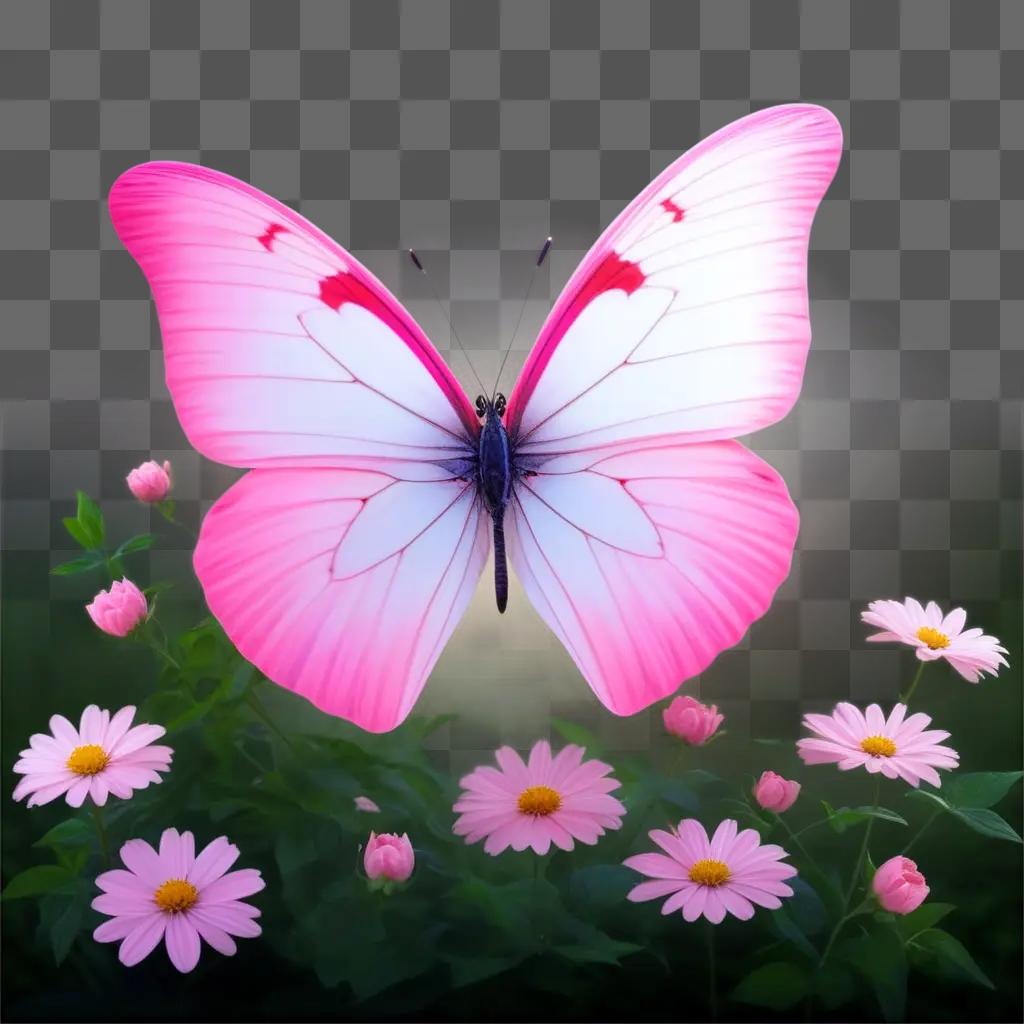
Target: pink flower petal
[
  {"x": 652, "y": 890},
  {"x": 143, "y": 939},
  {"x": 714, "y": 908},
  {"x": 539, "y": 765},
  {"x": 134, "y": 738},
  {"x": 216, "y": 937},
  {"x": 78, "y": 791},
  {"x": 177, "y": 852},
  {"x": 117, "y": 928},
  {"x": 141, "y": 859},
  {"x": 233, "y": 886},
  {"x": 65, "y": 732},
  {"x": 737, "y": 905},
  {"x": 694, "y": 906},
  {"x": 233, "y": 918},
  {"x": 182, "y": 941},
  {"x": 212, "y": 862}
]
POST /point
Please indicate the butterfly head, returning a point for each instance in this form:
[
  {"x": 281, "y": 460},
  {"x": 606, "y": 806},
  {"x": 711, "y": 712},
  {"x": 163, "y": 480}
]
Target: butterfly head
[{"x": 484, "y": 405}]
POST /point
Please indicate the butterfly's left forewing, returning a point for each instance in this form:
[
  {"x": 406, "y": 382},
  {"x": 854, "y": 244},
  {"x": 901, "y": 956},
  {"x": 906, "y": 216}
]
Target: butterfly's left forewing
[
  {"x": 342, "y": 562},
  {"x": 647, "y": 540}
]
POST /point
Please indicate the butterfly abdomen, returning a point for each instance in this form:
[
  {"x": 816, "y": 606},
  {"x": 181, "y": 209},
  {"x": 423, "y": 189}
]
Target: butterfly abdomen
[{"x": 500, "y": 565}]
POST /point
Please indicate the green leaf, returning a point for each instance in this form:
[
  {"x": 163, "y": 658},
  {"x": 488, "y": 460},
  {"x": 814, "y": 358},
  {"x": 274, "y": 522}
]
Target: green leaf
[
  {"x": 777, "y": 986},
  {"x": 596, "y": 947},
  {"x": 845, "y": 817},
  {"x": 139, "y": 543},
  {"x": 928, "y": 796},
  {"x": 79, "y": 533},
  {"x": 90, "y": 518},
  {"x": 73, "y": 832},
  {"x": 835, "y": 984},
  {"x": 37, "y": 880},
  {"x": 980, "y": 789},
  {"x": 789, "y": 930},
  {"x": 600, "y": 886},
  {"x": 947, "y": 956},
  {"x": 879, "y": 958},
  {"x": 986, "y": 822},
  {"x": 926, "y": 916},
  {"x": 578, "y": 734},
  {"x": 76, "y": 565},
  {"x": 294, "y": 850},
  {"x": 66, "y": 928},
  {"x": 467, "y": 970}
]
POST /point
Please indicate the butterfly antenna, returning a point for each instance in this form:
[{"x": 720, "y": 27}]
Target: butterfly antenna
[
  {"x": 440, "y": 305},
  {"x": 542, "y": 255}
]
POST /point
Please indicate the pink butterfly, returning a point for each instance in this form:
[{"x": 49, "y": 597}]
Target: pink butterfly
[{"x": 646, "y": 537}]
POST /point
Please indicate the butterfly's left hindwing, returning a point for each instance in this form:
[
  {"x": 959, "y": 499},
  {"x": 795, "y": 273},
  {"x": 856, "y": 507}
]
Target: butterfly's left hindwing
[{"x": 343, "y": 585}]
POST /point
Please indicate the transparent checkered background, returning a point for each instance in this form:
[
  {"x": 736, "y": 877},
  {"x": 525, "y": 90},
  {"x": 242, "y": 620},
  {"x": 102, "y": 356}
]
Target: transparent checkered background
[{"x": 470, "y": 131}]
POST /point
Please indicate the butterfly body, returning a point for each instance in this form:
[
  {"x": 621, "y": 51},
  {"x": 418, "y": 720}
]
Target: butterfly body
[
  {"x": 495, "y": 473},
  {"x": 644, "y": 534}
]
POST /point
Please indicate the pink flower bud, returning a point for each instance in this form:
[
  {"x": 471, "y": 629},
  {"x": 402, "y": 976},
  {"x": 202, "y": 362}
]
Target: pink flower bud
[
  {"x": 774, "y": 793},
  {"x": 691, "y": 721},
  {"x": 119, "y": 610},
  {"x": 150, "y": 482},
  {"x": 899, "y": 886},
  {"x": 388, "y": 857},
  {"x": 364, "y": 803}
]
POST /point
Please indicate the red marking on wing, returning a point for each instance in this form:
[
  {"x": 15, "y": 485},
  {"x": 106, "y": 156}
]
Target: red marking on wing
[
  {"x": 612, "y": 272},
  {"x": 268, "y": 236},
  {"x": 670, "y": 207},
  {"x": 340, "y": 288}
]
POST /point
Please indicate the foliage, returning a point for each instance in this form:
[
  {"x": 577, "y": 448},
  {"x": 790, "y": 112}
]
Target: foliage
[{"x": 280, "y": 779}]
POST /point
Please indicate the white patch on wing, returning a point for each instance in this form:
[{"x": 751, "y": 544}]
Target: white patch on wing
[
  {"x": 390, "y": 521},
  {"x": 601, "y": 338},
  {"x": 600, "y": 507}
]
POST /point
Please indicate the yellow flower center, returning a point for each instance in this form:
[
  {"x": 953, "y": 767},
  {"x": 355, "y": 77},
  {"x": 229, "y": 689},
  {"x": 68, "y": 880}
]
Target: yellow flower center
[
  {"x": 710, "y": 872},
  {"x": 933, "y": 638},
  {"x": 176, "y": 895},
  {"x": 88, "y": 760},
  {"x": 539, "y": 800},
  {"x": 878, "y": 746}
]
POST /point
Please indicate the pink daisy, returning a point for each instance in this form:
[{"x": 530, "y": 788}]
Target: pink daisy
[
  {"x": 547, "y": 800},
  {"x": 970, "y": 652},
  {"x": 176, "y": 896},
  {"x": 103, "y": 755},
  {"x": 901, "y": 749},
  {"x": 726, "y": 874}
]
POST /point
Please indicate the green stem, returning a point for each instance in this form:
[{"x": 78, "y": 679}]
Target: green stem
[
  {"x": 261, "y": 712},
  {"x": 101, "y": 834},
  {"x": 164, "y": 508},
  {"x": 924, "y": 828},
  {"x": 807, "y": 828},
  {"x": 712, "y": 981},
  {"x": 795, "y": 836},
  {"x": 540, "y": 864},
  {"x": 181, "y": 526},
  {"x": 863, "y": 851},
  {"x": 913, "y": 685},
  {"x": 158, "y": 643},
  {"x": 838, "y": 928}
]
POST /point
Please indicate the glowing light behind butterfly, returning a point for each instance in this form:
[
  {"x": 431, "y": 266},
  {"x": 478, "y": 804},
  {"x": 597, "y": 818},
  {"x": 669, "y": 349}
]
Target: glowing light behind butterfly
[{"x": 646, "y": 538}]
